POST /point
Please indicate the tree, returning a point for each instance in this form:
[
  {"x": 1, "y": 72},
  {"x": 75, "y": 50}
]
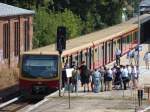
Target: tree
[{"x": 46, "y": 24}]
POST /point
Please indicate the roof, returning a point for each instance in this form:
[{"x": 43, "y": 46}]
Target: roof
[
  {"x": 87, "y": 40},
  {"x": 8, "y": 10}
]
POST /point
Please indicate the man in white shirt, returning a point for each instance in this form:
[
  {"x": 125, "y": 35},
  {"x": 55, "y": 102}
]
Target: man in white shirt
[
  {"x": 125, "y": 77},
  {"x": 147, "y": 59}
]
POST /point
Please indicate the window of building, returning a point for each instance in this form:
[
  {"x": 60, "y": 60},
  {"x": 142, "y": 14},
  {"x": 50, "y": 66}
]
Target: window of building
[
  {"x": 6, "y": 40},
  {"x": 26, "y": 36},
  {"x": 16, "y": 39}
]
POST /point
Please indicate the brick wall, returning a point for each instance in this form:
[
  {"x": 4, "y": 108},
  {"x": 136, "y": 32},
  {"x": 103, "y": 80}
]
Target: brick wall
[{"x": 13, "y": 60}]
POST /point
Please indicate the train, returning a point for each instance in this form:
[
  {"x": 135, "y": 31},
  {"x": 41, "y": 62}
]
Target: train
[{"x": 39, "y": 67}]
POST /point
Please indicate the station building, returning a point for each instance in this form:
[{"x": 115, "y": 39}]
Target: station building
[{"x": 16, "y": 32}]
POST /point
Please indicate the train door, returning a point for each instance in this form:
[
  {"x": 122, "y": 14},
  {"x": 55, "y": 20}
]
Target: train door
[
  {"x": 105, "y": 53},
  {"x": 70, "y": 61},
  {"x": 80, "y": 57},
  {"x": 65, "y": 61},
  {"x": 84, "y": 56},
  {"x": 87, "y": 58},
  {"x": 119, "y": 43},
  {"x": 90, "y": 58},
  {"x": 123, "y": 44},
  {"x": 103, "y": 49},
  {"x": 92, "y": 53},
  {"x": 134, "y": 39},
  {"x": 109, "y": 51},
  {"x": 110, "y": 45},
  {"x": 114, "y": 48},
  {"x": 95, "y": 57},
  {"x": 75, "y": 58},
  {"x": 101, "y": 55}
]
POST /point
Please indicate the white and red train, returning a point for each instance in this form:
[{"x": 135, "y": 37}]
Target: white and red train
[{"x": 39, "y": 67}]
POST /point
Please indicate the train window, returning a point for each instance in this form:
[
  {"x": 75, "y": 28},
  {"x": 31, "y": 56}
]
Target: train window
[
  {"x": 118, "y": 44},
  {"x": 76, "y": 57},
  {"x": 80, "y": 57},
  {"x": 84, "y": 57},
  {"x": 90, "y": 57},
  {"x": 43, "y": 66},
  {"x": 100, "y": 55},
  {"x": 70, "y": 61},
  {"x": 135, "y": 36}
]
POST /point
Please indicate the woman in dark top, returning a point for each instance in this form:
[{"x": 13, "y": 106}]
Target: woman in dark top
[
  {"x": 85, "y": 76},
  {"x": 117, "y": 81}
]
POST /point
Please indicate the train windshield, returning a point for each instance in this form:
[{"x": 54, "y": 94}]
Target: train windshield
[{"x": 43, "y": 66}]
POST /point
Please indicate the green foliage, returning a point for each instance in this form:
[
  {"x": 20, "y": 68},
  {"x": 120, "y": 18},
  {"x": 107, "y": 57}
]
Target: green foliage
[
  {"x": 46, "y": 26},
  {"x": 79, "y": 16}
]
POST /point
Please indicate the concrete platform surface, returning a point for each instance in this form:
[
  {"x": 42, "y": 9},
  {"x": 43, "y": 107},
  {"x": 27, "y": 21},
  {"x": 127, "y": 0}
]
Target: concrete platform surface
[{"x": 108, "y": 101}]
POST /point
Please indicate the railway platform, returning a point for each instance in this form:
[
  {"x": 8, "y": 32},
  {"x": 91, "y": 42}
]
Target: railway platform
[{"x": 107, "y": 101}]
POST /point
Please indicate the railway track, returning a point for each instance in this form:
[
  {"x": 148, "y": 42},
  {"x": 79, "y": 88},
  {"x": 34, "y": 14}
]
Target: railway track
[
  {"x": 16, "y": 104},
  {"x": 13, "y": 105}
]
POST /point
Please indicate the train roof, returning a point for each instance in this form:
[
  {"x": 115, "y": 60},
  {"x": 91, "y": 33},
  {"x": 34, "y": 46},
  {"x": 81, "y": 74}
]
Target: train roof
[{"x": 85, "y": 41}]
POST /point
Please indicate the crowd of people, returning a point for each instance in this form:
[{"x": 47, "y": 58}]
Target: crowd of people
[
  {"x": 119, "y": 77},
  {"x": 104, "y": 78}
]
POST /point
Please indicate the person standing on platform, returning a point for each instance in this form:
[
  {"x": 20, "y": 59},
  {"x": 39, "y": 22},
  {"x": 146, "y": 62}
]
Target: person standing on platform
[
  {"x": 130, "y": 57},
  {"x": 109, "y": 78},
  {"x": 85, "y": 76},
  {"x": 147, "y": 59},
  {"x": 134, "y": 76},
  {"x": 102, "y": 72},
  {"x": 118, "y": 55},
  {"x": 74, "y": 79},
  {"x": 64, "y": 75},
  {"x": 96, "y": 77},
  {"x": 136, "y": 57},
  {"x": 125, "y": 77}
]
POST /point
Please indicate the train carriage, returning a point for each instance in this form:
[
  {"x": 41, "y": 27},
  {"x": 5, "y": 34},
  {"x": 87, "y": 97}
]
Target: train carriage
[{"x": 39, "y": 67}]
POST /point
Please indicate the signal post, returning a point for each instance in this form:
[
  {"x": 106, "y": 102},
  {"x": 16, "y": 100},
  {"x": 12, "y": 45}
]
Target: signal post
[{"x": 60, "y": 46}]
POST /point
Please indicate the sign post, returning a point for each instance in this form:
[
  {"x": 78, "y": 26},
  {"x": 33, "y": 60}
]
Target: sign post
[{"x": 69, "y": 74}]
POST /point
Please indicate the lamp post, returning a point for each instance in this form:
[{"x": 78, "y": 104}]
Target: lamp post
[{"x": 139, "y": 33}]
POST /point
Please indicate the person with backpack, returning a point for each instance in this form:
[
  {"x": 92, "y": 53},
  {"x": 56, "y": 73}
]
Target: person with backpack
[
  {"x": 109, "y": 78},
  {"x": 85, "y": 76},
  {"x": 74, "y": 79}
]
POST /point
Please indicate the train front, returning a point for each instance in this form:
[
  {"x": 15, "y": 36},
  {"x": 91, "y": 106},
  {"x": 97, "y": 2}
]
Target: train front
[{"x": 38, "y": 75}]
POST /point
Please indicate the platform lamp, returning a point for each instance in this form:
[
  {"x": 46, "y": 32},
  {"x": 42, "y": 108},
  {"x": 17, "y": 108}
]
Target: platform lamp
[
  {"x": 140, "y": 90},
  {"x": 139, "y": 32},
  {"x": 60, "y": 46}
]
